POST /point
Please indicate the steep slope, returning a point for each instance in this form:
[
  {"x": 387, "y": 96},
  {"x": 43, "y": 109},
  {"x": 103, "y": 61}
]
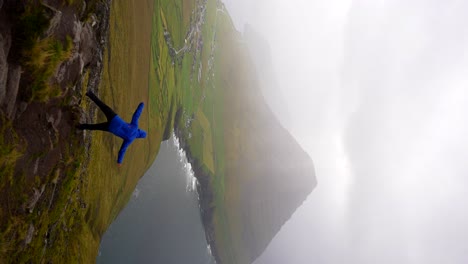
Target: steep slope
[
  {"x": 60, "y": 188},
  {"x": 50, "y": 53},
  {"x": 268, "y": 175}
]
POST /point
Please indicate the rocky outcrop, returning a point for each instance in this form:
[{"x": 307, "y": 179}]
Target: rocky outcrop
[
  {"x": 88, "y": 38},
  {"x": 87, "y": 48},
  {"x": 54, "y": 21},
  {"x": 38, "y": 133}
]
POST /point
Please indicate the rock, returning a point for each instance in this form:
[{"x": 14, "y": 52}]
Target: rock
[
  {"x": 74, "y": 100},
  {"x": 87, "y": 44},
  {"x": 58, "y": 119},
  {"x": 83, "y": 9},
  {"x": 93, "y": 20},
  {"x": 54, "y": 22},
  {"x": 61, "y": 72},
  {"x": 3, "y": 76},
  {"x": 14, "y": 77},
  {"x": 29, "y": 235},
  {"x": 22, "y": 107},
  {"x": 82, "y": 117},
  {"x": 56, "y": 177},
  {"x": 82, "y": 64},
  {"x": 50, "y": 118},
  {"x": 69, "y": 72},
  {"x": 36, "y": 166},
  {"x": 54, "y": 122},
  {"x": 33, "y": 201},
  {"x": 5, "y": 44},
  {"x": 77, "y": 29}
]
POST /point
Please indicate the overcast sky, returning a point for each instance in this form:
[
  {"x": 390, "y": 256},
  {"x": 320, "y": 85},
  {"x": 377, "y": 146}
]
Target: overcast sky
[{"x": 378, "y": 94}]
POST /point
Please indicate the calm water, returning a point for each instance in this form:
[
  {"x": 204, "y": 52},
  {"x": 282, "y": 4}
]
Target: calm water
[{"x": 161, "y": 223}]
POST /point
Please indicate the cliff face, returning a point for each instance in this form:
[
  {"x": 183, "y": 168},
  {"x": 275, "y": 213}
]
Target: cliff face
[
  {"x": 50, "y": 53},
  {"x": 267, "y": 173}
]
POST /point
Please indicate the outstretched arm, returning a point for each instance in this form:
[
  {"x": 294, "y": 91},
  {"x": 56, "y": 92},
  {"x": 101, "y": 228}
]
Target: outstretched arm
[
  {"x": 137, "y": 114},
  {"x": 122, "y": 150}
]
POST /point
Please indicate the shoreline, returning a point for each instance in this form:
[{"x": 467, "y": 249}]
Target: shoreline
[{"x": 205, "y": 193}]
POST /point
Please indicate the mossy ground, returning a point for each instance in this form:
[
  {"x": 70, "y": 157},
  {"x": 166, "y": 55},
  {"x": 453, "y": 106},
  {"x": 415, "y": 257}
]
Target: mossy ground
[{"x": 40, "y": 156}]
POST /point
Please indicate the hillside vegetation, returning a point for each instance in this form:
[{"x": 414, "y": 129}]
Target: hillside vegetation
[{"x": 252, "y": 173}]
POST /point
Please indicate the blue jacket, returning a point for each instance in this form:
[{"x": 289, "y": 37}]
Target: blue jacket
[{"x": 127, "y": 131}]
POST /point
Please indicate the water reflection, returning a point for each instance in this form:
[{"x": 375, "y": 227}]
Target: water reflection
[{"x": 161, "y": 223}]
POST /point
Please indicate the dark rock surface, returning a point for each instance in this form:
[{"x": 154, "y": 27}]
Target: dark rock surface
[
  {"x": 89, "y": 37},
  {"x": 40, "y": 134},
  {"x": 5, "y": 43},
  {"x": 13, "y": 82}
]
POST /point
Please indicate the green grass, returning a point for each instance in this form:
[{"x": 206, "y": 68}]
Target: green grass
[
  {"x": 126, "y": 80},
  {"x": 204, "y": 101},
  {"x": 31, "y": 24},
  {"x": 10, "y": 151},
  {"x": 42, "y": 60},
  {"x": 40, "y": 55},
  {"x": 58, "y": 220}
]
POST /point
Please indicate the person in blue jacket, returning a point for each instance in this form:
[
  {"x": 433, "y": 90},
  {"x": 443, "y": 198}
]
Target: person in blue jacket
[{"x": 116, "y": 125}]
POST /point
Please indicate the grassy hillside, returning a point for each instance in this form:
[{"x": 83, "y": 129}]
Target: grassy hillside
[
  {"x": 60, "y": 188},
  {"x": 202, "y": 80},
  {"x": 253, "y": 174},
  {"x": 124, "y": 84}
]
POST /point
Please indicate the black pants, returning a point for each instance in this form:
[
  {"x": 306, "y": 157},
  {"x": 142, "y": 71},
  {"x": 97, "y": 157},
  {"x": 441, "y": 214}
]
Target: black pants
[{"x": 110, "y": 114}]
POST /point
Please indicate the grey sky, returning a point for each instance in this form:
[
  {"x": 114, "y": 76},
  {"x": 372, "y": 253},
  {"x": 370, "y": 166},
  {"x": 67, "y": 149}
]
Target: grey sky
[{"x": 378, "y": 91}]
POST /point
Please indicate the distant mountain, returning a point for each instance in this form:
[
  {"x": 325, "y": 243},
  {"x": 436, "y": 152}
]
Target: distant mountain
[
  {"x": 260, "y": 53},
  {"x": 267, "y": 173}
]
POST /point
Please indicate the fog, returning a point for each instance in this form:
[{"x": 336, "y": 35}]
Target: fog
[{"x": 377, "y": 92}]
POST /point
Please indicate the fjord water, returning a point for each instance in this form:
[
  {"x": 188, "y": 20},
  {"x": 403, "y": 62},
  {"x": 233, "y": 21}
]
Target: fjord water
[{"x": 161, "y": 223}]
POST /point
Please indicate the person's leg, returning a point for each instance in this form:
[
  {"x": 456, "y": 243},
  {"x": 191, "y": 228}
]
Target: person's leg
[
  {"x": 110, "y": 114},
  {"x": 101, "y": 126}
]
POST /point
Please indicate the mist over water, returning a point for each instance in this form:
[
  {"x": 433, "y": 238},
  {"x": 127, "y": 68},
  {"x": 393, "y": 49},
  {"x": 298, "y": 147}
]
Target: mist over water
[{"x": 161, "y": 223}]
